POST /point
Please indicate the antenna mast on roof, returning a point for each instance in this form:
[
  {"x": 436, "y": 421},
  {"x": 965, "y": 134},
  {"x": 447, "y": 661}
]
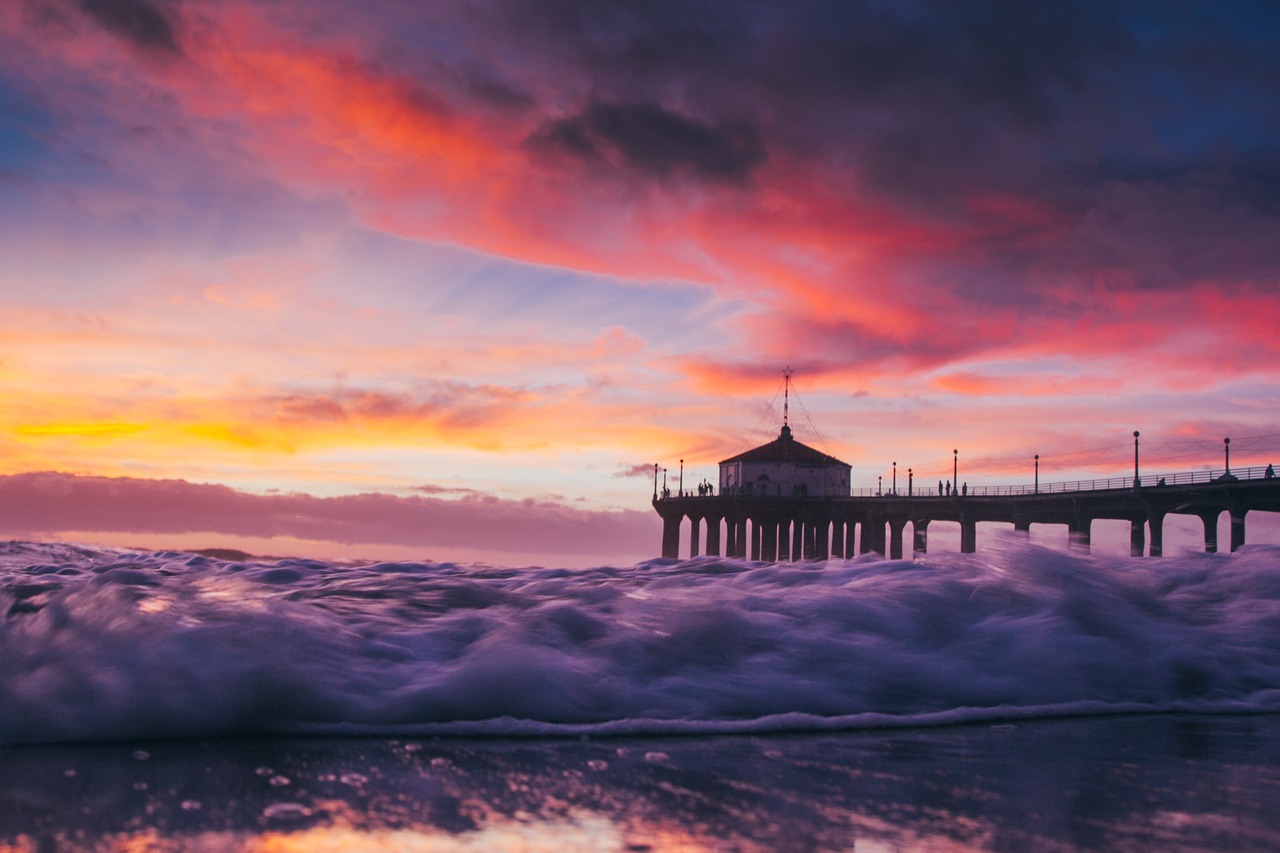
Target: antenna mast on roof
[{"x": 786, "y": 395}]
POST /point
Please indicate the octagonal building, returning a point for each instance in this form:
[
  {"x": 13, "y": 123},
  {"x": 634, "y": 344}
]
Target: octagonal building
[{"x": 784, "y": 468}]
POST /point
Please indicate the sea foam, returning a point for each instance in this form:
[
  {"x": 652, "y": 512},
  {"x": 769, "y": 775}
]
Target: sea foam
[{"x": 108, "y": 644}]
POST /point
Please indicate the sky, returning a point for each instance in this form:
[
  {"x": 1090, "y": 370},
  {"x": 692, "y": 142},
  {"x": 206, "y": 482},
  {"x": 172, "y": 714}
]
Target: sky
[{"x": 445, "y": 280}]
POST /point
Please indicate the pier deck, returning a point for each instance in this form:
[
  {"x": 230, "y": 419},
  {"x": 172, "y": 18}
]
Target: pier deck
[{"x": 785, "y": 528}]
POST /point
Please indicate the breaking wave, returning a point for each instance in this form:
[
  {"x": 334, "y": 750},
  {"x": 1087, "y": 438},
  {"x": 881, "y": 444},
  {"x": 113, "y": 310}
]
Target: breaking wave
[{"x": 104, "y": 644}]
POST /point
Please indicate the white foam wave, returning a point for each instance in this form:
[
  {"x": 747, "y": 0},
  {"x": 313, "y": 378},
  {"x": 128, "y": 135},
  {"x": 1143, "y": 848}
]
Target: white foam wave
[{"x": 107, "y": 644}]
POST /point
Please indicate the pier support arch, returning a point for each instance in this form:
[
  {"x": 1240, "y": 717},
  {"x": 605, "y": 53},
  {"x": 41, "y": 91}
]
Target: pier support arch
[
  {"x": 1080, "y": 533},
  {"x": 1155, "y": 520},
  {"x": 896, "y": 527},
  {"x": 1137, "y": 537},
  {"x": 1237, "y": 527},
  {"x": 1210, "y": 519},
  {"x": 968, "y": 535},
  {"x": 671, "y": 536},
  {"x": 919, "y": 535}
]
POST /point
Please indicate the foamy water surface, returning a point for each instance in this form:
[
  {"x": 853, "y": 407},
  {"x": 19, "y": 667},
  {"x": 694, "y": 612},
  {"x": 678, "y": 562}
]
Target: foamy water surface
[{"x": 102, "y": 644}]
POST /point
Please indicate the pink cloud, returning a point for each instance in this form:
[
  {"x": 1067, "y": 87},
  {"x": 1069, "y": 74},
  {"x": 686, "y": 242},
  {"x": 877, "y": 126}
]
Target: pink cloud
[{"x": 47, "y": 504}]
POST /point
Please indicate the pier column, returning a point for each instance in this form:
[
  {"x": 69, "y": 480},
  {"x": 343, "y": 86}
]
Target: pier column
[
  {"x": 671, "y": 536},
  {"x": 850, "y": 530},
  {"x": 1210, "y": 519},
  {"x": 1079, "y": 534},
  {"x": 810, "y": 541},
  {"x": 920, "y": 536},
  {"x": 1156, "y": 520},
  {"x": 1237, "y": 528},
  {"x": 769, "y": 542},
  {"x": 695, "y": 536},
  {"x": 1137, "y": 537},
  {"x": 968, "y": 536},
  {"x": 822, "y": 539},
  {"x": 873, "y": 537},
  {"x": 797, "y": 540},
  {"x": 757, "y": 533},
  {"x": 896, "y": 526},
  {"x": 713, "y": 536},
  {"x": 1022, "y": 524},
  {"x": 837, "y": 538}
]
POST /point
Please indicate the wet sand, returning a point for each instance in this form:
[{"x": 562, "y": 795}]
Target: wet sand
[{"x": 1119, "y": 783}]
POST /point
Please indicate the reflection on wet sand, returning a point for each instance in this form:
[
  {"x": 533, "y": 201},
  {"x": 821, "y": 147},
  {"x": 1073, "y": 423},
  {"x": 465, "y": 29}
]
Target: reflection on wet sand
[{"x": 1128, "y": 783}]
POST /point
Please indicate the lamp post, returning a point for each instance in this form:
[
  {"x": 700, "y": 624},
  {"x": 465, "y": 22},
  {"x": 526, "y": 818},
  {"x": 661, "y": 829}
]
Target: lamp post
[
  {"x": 910, "y": 482},
  {"x": 664, "y": 482},
  {"x": 1226, "y": 447},
  {"x": 895, "y": 478},
  {"x": 681, "y": 478},
  {"x": 1137, "y": 481},
  {"x": 879, "y": 486},
  {"x": 1037, "y": 473},
  {"x": 955, "y": 471},
  {"x": 655, "y": 481}
]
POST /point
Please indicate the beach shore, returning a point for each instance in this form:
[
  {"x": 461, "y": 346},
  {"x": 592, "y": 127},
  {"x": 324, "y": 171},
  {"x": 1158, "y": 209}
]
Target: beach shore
[{"x": 1115, "y": 783}]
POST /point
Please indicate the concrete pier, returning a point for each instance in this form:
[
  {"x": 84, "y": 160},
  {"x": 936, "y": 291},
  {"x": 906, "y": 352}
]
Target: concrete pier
[{"x": 804, "y": 528}]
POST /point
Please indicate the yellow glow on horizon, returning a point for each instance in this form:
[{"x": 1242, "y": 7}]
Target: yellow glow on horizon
[
  {"x": 86, "y": 429},
  {"x": 583, "y": 832}
]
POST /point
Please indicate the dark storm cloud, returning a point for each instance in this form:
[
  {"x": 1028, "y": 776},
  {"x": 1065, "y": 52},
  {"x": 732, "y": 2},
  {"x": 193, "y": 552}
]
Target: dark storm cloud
[
  {"x": 653, "y": 141},
  {"x": 923, "y": 103},
  {"x": 136, "y": 21}
]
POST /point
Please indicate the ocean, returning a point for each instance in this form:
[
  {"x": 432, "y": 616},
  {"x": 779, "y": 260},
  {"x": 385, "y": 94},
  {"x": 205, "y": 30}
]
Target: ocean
[{"x": 710, "y": 703}]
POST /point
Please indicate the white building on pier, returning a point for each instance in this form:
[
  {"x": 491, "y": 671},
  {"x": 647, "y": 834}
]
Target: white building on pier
[{"x": 784, "y": 468}]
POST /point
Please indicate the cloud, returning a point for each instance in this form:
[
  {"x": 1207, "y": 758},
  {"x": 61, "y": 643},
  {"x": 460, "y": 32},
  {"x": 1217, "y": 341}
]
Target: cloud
[
  {"x": 45, "y": 504},
  {"x": 136, "y": 21},
  {"x": 654, "y": 142},
  {"x": 894, "y": 198},
  {"x": 644, "y": 469}
]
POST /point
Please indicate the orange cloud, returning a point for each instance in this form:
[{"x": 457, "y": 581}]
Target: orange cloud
[{"x": 1024, "y": 384}]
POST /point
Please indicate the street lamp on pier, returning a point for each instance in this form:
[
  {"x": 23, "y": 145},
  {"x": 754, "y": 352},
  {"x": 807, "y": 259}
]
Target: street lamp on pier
[
  {"x": 1137, "y": 481},
  {"x": 879, "y": 486},
  {"x": 895, "y": 478},
  {"x": 955, "y": 471},
  {"x": 1226, "y": 447},
  {"x": 910, "y": 482},
  {"x": 1037, "y": 473},
  {"x": 655, "y": 481},
  {"x": 681, "y": 478}
]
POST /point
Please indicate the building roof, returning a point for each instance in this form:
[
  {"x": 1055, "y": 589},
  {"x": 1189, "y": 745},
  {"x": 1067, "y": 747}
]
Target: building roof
[{"x": 784, "y": 448}]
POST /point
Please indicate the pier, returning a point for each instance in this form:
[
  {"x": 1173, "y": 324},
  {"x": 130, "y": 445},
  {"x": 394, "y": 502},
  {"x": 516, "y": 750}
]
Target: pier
[
  {"x": 786, "y": 501},
  {"x": 776, "y": 528}
]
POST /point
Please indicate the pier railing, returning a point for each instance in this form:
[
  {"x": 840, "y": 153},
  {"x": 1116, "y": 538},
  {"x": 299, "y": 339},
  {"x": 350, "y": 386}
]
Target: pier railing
[
  {"x": 1110, "y": 483},
  {"x": 1145, "y": 481}
]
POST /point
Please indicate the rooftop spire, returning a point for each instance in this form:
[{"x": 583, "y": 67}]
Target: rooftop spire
[
  {"x": 786, "y": 396},
  {"x": 786, "y": 403}
]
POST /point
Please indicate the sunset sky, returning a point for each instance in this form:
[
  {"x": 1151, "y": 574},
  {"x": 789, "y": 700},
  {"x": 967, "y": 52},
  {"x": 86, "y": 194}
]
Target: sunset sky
[{"x": 445, "y": 279}]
